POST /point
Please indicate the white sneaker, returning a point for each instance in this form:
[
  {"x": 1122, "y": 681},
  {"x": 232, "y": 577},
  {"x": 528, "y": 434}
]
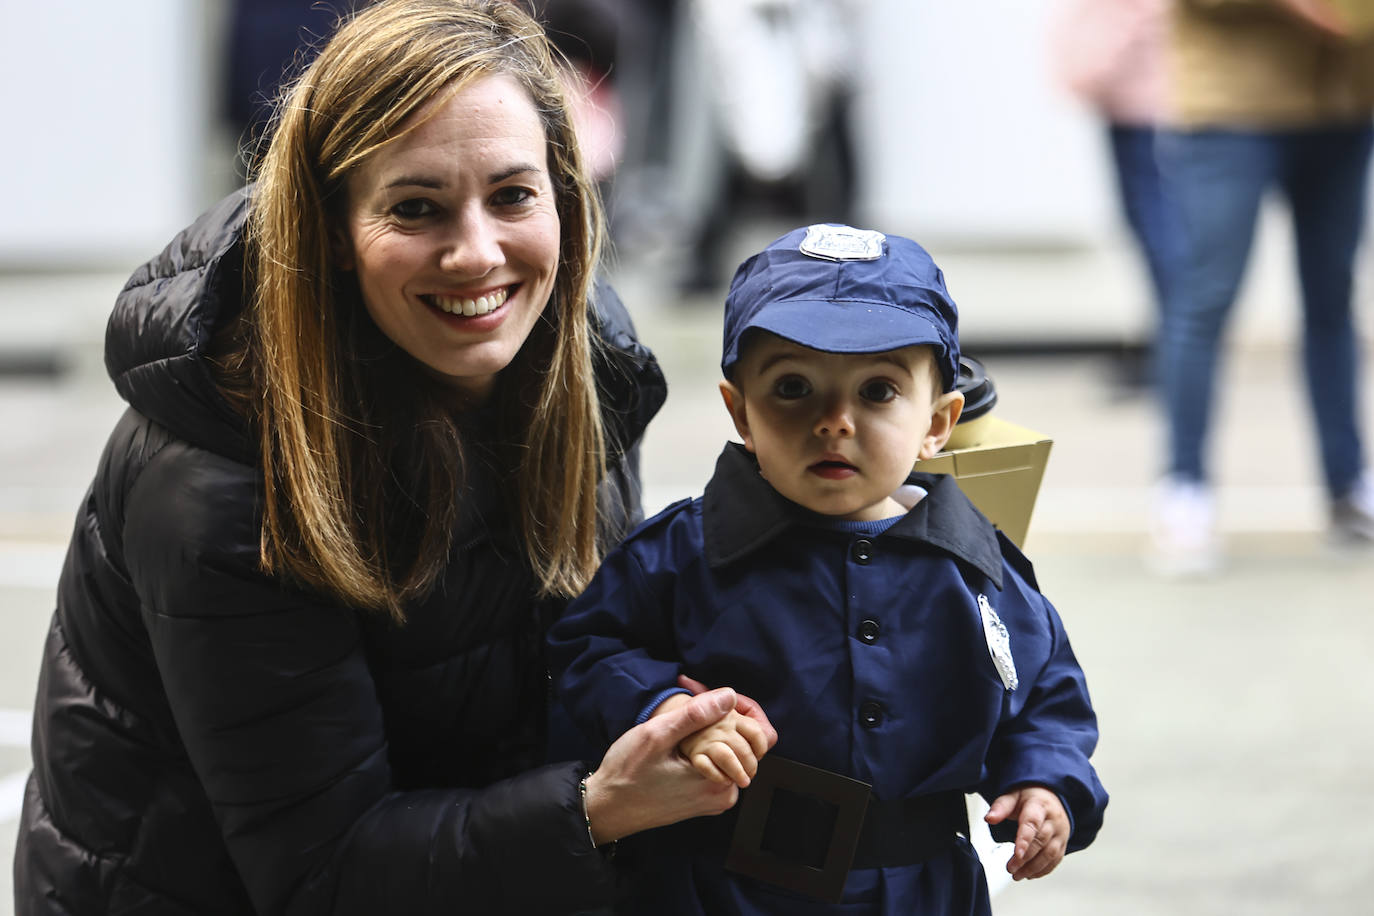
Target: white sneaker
[
  {"x": 1352, "y": 516},
  {"x": 1183, "y": 536}
]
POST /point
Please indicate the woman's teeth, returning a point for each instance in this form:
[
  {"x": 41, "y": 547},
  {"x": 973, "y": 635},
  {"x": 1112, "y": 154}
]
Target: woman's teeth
[{"x": 470, "y": 308}]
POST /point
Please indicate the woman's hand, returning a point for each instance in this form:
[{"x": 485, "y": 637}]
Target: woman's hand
[
  {"x": 743, "y": 705},
  {"x": 644, "y": 782}
]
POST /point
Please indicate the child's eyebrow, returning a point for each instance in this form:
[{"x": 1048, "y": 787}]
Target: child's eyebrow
[
  {"x": 771, "y": 361},
  {"x": 892, "y": 359},
  {"x": 904, "y": 365}
]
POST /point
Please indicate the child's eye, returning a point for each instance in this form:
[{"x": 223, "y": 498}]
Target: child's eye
[
  {"x": 878, "y": 391},
  {"x": 791, "y": 387},
  {"x": 414, "y": 208}
]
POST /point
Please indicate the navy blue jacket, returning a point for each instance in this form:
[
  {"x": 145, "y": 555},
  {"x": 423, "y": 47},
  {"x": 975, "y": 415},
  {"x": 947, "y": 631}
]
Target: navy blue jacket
[{"x": 870, "y": 659}]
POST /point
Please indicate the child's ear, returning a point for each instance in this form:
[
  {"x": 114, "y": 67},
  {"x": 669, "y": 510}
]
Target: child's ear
[
  {"x": 734, "y": 402},
  {"x": 943, "y": 416}
]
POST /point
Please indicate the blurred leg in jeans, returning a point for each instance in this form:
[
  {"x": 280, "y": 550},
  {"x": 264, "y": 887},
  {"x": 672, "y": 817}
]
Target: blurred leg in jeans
[
  {"x": 1325, "y": 179},
  {"x": 1217, "y": 179},
  {"x": 1145, "y": 202},
  {"x": 1155, "y": 225}
]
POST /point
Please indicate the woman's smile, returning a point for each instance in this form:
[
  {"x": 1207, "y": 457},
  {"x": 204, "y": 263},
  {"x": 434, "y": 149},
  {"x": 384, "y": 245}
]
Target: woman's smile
[{"x": 469, "y": 305}]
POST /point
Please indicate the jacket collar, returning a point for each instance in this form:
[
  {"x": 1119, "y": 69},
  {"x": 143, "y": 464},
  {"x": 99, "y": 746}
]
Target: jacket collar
[{"x": 741, "y": 512}]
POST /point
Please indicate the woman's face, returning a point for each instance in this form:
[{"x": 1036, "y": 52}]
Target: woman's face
[{"x": 454, "y": 235}]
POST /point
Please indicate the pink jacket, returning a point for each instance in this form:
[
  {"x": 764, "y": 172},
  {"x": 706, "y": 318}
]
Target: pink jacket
[{"x": 1111, "y": 54}]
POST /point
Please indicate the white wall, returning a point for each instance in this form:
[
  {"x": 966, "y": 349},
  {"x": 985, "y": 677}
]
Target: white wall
[
  {"x": 964, "y": 135},
  {"x": 104, "y": 106}
]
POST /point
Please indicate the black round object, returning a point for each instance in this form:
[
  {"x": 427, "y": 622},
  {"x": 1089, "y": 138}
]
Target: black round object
[
  {"x": 869, "y": 630},
  {"x": 979, "y": 394},
  {"x": 871, "y": 714}
]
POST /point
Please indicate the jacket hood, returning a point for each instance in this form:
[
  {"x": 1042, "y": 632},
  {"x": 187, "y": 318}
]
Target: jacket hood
[{"x": 162, "y": 324}]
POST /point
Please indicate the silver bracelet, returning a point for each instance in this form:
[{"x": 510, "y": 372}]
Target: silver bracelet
[{"x": 582, "y": 790}]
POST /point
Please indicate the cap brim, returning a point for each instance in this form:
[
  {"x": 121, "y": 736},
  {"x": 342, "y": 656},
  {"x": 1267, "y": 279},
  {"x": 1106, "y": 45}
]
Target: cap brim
[{"x": 846, "y": 326}]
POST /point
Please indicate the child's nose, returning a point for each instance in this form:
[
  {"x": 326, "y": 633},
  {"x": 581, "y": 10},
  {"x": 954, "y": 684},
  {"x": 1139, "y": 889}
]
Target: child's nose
[{"x": 836, "y": 421}]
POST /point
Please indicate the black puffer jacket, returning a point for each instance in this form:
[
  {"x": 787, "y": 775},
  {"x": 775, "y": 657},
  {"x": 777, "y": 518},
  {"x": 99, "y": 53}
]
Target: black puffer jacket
[{"x": 208, "y": 740}]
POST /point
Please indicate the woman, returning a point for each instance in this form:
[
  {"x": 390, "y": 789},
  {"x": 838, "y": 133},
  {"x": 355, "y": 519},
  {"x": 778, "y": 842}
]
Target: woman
[{"x": 375, "y": 436}]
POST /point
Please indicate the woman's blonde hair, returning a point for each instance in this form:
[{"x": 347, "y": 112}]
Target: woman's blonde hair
[{"x": 363, "y": 462}]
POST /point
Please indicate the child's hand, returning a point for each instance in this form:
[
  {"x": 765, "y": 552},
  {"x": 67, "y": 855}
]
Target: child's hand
[
  {"x": 1043, "y": 834},
  {"x": 726, "y": 751}
]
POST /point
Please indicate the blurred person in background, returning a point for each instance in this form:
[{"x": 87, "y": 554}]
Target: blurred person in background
[
  {"x": 265, "y": 42},
  {"x": 380, "y": 428},
  {"x": 590, "y": 35},
  {"x": 779, "y": 78},
  {"x": 270, "y": 41},
  {"x": 1111, "y": 55},
  {"x": 1265, "y": 94}
]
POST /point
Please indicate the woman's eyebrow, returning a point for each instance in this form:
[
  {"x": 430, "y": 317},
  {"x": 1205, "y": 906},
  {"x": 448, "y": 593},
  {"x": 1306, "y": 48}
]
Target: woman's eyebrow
[
  {"x": 415, "y": 181},
  {"x": 511, "y": 172},
  {"x": 434, "y": 183}
]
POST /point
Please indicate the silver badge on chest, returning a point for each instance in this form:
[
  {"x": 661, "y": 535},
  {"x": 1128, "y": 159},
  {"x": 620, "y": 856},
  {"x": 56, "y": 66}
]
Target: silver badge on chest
[{"x": 999, "y": 644}]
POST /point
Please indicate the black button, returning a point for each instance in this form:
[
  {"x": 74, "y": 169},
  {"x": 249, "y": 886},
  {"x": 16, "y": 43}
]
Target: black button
[
  {"x": 869, "y": 630},
  {"x": 862, "y": 551},
  {"x": 871, "y": 714}
]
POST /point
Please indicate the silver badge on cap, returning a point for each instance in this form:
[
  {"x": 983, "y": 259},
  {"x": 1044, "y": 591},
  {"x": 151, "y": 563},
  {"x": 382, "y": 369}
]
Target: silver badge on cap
[{"x": 842, "y": 243}]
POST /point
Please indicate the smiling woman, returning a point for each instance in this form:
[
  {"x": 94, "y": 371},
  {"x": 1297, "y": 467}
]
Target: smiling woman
[{"x": 382, "y": 424}]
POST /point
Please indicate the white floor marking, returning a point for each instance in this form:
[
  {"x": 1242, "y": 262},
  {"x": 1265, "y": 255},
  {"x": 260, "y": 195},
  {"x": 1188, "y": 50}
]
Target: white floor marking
[
  {"x": 15, "y": 725},
  {"x": 993, "y": 855},
  {"x": 12, "y": 795},
  {"x": 30, "y": 565}
]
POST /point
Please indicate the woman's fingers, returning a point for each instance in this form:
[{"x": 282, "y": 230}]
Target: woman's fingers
[
  {"x": 700, "y": 711},
  {"x": 744, "y": 705}
]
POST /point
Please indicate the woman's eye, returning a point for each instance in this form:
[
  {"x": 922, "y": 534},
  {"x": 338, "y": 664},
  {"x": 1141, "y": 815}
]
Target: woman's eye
[
  {"x": 878, "y": 391},
  {"x": 512, "y": 196},
  {"x": 791, "y": 387},
  {"x": 415, "y": 208}
]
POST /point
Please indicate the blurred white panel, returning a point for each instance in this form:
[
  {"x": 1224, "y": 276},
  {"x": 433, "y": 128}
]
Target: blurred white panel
[
  {"x": 105, "y": 114},
  {"x": 964, "y": 136}
]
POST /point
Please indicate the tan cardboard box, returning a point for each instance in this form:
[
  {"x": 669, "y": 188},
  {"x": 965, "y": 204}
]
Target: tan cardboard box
[
  {"x": 1000, "y": 475},
  {"x": 1359, "y": 16}
]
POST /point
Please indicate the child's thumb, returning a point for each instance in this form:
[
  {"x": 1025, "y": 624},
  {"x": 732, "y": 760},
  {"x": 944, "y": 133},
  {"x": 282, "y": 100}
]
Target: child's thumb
[{"x": 1002, "y": 806}]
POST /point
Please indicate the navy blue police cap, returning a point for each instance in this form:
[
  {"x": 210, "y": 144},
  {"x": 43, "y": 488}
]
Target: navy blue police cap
[{"x": 844, "y": 290}]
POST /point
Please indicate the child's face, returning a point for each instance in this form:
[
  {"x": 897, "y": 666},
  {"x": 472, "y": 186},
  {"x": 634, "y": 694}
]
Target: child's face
[{"x": 839, "y": 432}]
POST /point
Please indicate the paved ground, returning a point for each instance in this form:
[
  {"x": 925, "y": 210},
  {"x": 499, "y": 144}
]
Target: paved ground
[{"x": 1234, "y": 711}]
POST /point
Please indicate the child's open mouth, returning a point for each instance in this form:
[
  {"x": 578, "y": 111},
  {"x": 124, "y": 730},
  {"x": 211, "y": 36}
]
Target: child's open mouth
[{"x": 832, "y": 469}]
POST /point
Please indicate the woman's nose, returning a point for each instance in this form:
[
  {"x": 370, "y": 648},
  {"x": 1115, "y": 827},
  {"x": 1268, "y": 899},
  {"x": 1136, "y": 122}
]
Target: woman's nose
[{"x": 473, "y": 246}]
